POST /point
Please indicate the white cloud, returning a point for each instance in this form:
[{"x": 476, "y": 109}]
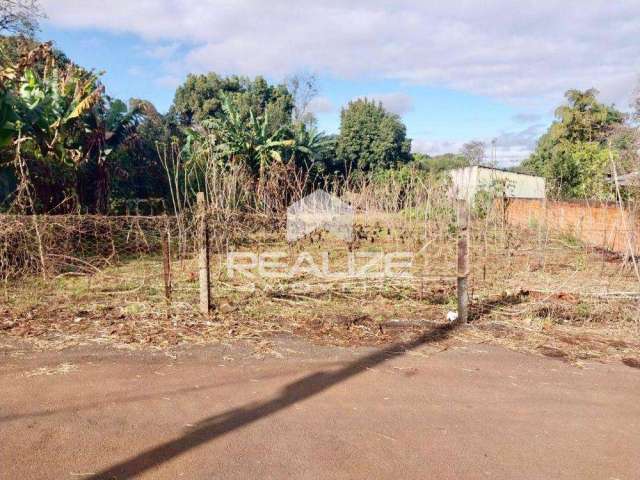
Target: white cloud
[
  {"x": 435, "y": 147},
  {"x": 526, "y": 53},
  {"x": 511, "y": 156},
  {"x": 396, "y": 102},
  {"x": 510, "y": 147},
  {"x": 320, "y": 105},
  {"x": 162, "y": 51},
  {"x": 171, "y": 81},
  {"x": 526, "y": 117},
  {"x": 524, "y": 139},
  {"x": 135, "y": 71}
]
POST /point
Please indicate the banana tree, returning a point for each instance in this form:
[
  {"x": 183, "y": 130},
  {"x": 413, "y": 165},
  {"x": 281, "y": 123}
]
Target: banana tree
[
  {"x": 111, "y": 125},
  {"x": 42, "y": 108},
  {"x": 251, "y": 142},
  {"x": 309, "y": 145}
]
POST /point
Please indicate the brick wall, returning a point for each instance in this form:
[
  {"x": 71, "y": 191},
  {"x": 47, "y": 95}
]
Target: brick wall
[{"x": 596, "y": 224}]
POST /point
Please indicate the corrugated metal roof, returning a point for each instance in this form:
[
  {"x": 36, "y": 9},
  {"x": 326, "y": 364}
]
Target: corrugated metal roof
[{"x": 483, "y": 167}]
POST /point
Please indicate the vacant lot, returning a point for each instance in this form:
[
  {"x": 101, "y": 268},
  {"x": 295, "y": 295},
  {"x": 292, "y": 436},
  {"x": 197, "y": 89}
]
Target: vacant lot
[
  {"x": 531, "y": 290},
  {"x": 305, "y": 377}
]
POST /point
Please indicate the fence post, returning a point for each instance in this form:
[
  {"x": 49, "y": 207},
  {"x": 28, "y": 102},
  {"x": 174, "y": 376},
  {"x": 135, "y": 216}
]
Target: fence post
[
  {"x": 463, "y": 261},
  {"x": 166, "y": 264},
  {"x": 203, "y": 257}
]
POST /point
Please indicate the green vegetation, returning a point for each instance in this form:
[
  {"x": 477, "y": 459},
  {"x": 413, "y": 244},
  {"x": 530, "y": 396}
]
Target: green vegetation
[
  {"x": 440, "y": 163},
  {"x": 67, "y": 146},
  {"x": 371, "y": 138},
  {"x": 201, "y": 97},
  {"x": 573, "y": 155}
]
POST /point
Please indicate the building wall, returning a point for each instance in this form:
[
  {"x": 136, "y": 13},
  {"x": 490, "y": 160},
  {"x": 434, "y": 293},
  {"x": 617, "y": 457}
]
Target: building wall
[
  {"x": 470, "y": 180},
  {"x": 596, "y": 224}
]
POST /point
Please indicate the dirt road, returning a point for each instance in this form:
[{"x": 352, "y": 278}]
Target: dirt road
[{"x": 472, "y": 411}]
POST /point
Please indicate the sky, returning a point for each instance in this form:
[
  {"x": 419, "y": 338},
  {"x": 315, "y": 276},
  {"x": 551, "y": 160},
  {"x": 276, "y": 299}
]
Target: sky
[{"x": 454, "y": 71}]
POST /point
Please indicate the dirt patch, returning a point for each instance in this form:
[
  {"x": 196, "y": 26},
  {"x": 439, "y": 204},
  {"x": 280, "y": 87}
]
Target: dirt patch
[
  {"x": 631, "y": 362},
  {"x": 549, "y": 351}
]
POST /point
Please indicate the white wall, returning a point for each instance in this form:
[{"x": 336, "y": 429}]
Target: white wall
[{"x": 469, "y": 180}]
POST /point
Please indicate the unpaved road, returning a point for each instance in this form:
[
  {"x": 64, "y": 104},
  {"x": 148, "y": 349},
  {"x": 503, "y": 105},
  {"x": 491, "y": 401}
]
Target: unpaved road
[{"x": 472, "y": 411}]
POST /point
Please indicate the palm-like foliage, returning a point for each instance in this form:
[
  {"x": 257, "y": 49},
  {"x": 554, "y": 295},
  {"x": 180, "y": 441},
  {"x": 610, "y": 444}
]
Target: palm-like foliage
[
  {"x": 7, "y": 120},
  {"x": 248, "y": 141},
  {"x": 42, "y": 110},
  {"x": 111, "y": 125},
  {"x": 237, "y": 141},
  {"x": 49, "y": 110},
  {"x": 309, "y": 144},
  {"x": 66, "y": 130}
]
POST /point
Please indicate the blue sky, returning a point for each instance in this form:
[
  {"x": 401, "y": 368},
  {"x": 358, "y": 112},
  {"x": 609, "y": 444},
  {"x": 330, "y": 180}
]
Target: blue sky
[{"x": 454, "y": 73}]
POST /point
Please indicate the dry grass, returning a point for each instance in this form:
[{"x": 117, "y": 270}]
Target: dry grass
[{"x": 540, "y": 295}]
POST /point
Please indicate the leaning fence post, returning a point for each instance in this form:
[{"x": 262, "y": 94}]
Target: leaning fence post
[
  {"x": 463, "y": 261},
  {"x": 203, "y": 257}
]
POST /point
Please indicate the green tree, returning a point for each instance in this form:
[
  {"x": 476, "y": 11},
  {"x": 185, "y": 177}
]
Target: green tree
[
  {"x": 201, "y": 97},
  {"x": 439, "y": 163},
  {"x": 309, "y": 148},
  {"x": 138, "y": 172},
  {"x": 111, "y": 126},
  {"x": 253, "y": 141},
  {"x": 43, "y": 125},
  {"x": 60, "y": 136},
  {"x": 572, "y": 154},
  {"x": 371, "y": 138}
]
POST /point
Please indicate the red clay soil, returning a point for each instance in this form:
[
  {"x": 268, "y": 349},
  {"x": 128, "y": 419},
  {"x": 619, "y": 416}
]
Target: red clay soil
[{"x": 468, "y": 412}]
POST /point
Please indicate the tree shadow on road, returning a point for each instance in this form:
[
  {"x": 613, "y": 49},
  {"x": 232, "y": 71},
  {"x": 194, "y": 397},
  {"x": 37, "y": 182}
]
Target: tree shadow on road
[{"x": 218, "y": 425}]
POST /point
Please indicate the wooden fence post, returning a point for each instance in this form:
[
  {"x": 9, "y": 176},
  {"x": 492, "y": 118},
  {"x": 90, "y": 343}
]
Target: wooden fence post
[
  {"x": 203, "y": 257},
  {"x": 166, "y": 264},
  {"x": 463, "y": 261}
]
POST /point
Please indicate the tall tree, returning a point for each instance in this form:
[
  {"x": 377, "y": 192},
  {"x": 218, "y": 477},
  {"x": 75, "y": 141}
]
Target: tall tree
[
  {"x": 252, "y": 141},
  {"x": 371, "y": 138},
  {"x": 60, "y": 135},
  {"x": 439, "y": 163},
  {"x": 47, "y": 105},
  {"x": 137, "y": 171},
  {"x": 572, "y": 154},
  {"x": 200, "y": 97}
]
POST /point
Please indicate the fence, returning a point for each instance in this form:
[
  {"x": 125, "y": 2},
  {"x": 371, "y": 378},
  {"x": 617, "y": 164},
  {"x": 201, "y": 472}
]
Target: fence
[
  {"x": 52, "y": 245},
  {"x": 139, "y": 279},
  {"x": 603, "y": 225}
]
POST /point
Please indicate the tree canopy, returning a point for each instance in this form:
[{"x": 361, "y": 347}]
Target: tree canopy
[
  {"x": 572, "y": 155},
  {"x": 201, "y": 97},
  {"x": 62, "y": 138},
  {"x": 475, "y": 152},
  {"x": 440, "y": 163},
  {"x": 371, "y": 138},
  {"x": 69, "y": 146}
]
